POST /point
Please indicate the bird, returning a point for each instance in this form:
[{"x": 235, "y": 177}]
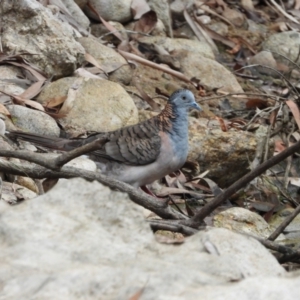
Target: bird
[{"x": 138, "y": 154}]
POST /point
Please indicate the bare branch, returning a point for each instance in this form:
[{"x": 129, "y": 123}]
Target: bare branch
[
  {"x": 197, "y": 220},
  {"x": 284, "y": 224},
  {"x": 158, "y": 207}
]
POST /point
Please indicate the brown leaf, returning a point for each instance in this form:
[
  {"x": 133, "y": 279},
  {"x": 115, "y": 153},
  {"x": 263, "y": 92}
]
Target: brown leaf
[
  {"x": 139, "y": 8},
  {"x": 134, "y": 57},
  {"x": 149, "y": 100},
  {"x": 33, "y": 90},
  {"x": 108, "y": 26},
  {"x": 236, "y": 48},
  {"x": 53, "y": 102},
  {"x": 279, "y": 146},
  {"x": 279, "y": 26},
  {"x": 33, "y": 104},
  {"x": 253, "y": 103},
  {"x": 213, "y": 186},
  {"x": 273, "y": 117},
  {"x": 33, "y": 71},
  {"x": 20, "y": 100},
  {"x": 222, "y": 124},
  {"x": 165, "y": 191},
  {"x": 4, "y": 111},
  {"x": 295, "y": 111},
  {"x": 146, "y": 23},
  {"x": 89, "y": 58}
]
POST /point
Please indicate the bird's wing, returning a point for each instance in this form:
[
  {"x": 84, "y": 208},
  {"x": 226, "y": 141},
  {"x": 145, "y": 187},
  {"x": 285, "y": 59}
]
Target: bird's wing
[{"x": 139, "y": 144}]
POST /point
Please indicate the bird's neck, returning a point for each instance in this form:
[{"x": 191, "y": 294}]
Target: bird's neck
[{"x": 173, "y": 118}]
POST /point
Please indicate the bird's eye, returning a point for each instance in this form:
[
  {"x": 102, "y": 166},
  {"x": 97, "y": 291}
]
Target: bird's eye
[{"x": 183, "y": 97}]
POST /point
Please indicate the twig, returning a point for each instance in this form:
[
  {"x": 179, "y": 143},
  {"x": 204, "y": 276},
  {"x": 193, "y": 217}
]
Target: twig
[
  {"x": 291, "y": 61},
  {"x": 276, "y": 98},
  {"x": 284, "y": 224},
  {"x": 277, "y": 72},
  {"x": 267, "y": 109},
  {"x": 289, "y": 159},
  {"x": 69, "y": 155},
  {"x": 39, "y": 185},
  {"x": 283, "y": 193},
  {"x": 274, "y": 246},
  {"x": 197, "y": 220},
  {"x": 172, "y": 226},
  {"x": 158, "y": 207},
  {"x": 267, "y": 146},
  {"x": 56, "y": 163},
  {"x": 146, "y": 62},
  {"x": 124, "y": 30},
  {"x": 277, "y": 6},
  {"x": 289, "y": 257}
]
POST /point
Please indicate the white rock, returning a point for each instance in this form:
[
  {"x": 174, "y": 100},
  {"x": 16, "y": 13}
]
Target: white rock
[
  {"x": 83, "y": 239},
  {"x": 33, "y": 121},
  {"x": 110, "y": 10},
  {"x": 95, "y": 105},
  {"x": 28, "y": 26}
]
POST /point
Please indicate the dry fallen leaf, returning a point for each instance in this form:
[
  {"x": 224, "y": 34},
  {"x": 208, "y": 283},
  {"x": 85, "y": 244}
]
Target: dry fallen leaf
[
  {"x": 295, "y": 111},
  {"x": 4, "y": 111},
  {"x": 33, "y": 90},
  {"x": 53, "y": 102},
  {"x": 139, "y": 8},
  {"x": 146, "y": 23}
]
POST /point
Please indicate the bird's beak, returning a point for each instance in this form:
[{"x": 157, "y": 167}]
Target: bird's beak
[{"x": 196, "y": 106}]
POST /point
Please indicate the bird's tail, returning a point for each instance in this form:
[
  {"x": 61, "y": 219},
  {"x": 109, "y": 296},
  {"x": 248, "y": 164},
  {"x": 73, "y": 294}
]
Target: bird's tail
[{"x": 47, "y": 141}]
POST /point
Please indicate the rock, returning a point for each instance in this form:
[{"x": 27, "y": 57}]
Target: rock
[
  {"x": 13, "y": 193},
  {"x": 234, "y": 16},
  {"x": 162, "y": 9},
  {"x": 83, "y": 163},
  {"x": 159, "y": 29},
  {"x": 27, "y": 183},
  {"x": 95, "y": 105},
  {"x": 110, "y": 10},
  {"x": 99, "y": 30},
  {"x": 81, "y": 3},
  {"x": 177, "y": 45},
  {"x": 58, "y": 88},
  {"x": 285, "y": 44},
  {"x": 257, "y": 28},
  {"x": 211, "y": 73},
  {"x": 219, "y": 27},
  {"x": 77, "y": 13},
  {"x": 31, "y": 27},
  {"x": 83, "y": 239},
  {"x": 109, "y": 60},
  {"x": 10, "y": 81},
  {"x": 244, "y": 221},
  {"x": 264, "y": 58},
  {"x": 292, "y": 231},
  {"x": 177, "y": 8},
  {"x": 225, "y": 154},
  {"x": 184, "y": 32},
  {"x": 33, "y": 121}
]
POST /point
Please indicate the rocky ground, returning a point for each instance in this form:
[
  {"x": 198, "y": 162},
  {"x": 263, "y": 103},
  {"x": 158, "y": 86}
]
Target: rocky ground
[{"x": 68, "y": 67}]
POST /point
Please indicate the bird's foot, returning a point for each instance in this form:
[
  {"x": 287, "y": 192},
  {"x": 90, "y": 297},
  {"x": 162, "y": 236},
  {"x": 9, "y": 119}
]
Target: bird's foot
[{"x": 147, "y": 191}]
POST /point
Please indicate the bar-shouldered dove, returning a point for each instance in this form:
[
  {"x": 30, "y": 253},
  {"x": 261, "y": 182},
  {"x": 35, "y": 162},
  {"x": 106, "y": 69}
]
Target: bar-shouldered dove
[{"x": 141, "y": 153}]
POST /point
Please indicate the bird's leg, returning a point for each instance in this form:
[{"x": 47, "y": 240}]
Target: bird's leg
[{"x": 147, "y": 191}]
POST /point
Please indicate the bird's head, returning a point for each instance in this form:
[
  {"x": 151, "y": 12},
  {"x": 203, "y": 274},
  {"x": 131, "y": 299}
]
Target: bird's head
[{"x": 184, "y": 99}]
